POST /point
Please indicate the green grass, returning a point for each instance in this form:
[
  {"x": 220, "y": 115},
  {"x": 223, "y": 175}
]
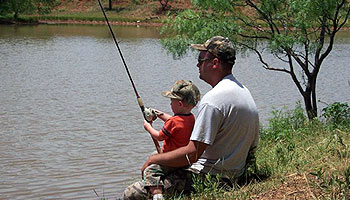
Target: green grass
[
  {"x": 92, "y": 16},
  {"x": 126, "y": 13},
  {"x": 290, "y": 146},
  {"x": 21, "y": 19}
]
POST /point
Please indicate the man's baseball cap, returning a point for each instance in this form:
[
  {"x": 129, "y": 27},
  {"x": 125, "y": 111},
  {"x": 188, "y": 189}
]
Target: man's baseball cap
[
  {"x": 184, "y": 90},
  {"x": 220, "y": 47}
]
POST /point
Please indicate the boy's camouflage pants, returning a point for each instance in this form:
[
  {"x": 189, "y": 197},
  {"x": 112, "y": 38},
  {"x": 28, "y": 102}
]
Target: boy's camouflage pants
[
  {"x": 173, "y": 180},
  {"x": 154, "y": 174}
]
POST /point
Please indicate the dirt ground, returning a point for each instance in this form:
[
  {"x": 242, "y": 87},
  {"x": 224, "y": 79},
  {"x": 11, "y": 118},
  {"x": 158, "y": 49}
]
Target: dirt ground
[{"x": 296, "y": 186}]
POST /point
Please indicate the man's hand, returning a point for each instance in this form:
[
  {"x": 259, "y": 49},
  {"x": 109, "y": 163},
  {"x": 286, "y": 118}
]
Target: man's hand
[
  {"x": 147, "y": 163},
  {"x": 180, "y": 157}
]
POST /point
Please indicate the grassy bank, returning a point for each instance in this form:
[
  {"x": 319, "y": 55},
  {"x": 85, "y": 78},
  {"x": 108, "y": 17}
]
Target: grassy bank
[
  {"x": 295, "y": 160},
  {"x": 142, "y": 12},
  {"x": 89, "y": 12}
]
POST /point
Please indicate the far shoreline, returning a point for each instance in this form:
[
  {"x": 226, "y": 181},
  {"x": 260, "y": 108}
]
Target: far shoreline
[
  {"x": 138, "y": 23},
  {"x": 94, "y": 22},
  {"x": 57, "y": 22}
]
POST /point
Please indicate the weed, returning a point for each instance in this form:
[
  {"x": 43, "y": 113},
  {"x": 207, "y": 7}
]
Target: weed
[
  {"x": 100, "y": 198},
  {"x": 283, "y": 123},
  {"x": 337, "y": 115},
  {"x": 335, "y": 185},
  {"x": 207, "y": 185}
]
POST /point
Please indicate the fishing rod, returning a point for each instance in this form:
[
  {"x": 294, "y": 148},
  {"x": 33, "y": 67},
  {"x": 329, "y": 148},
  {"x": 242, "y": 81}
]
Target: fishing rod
[{"x": 147, "y": 113}]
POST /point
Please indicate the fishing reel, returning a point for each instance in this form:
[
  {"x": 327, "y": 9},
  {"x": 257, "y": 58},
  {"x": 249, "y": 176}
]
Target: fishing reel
[{"x": 149, "y": 114}]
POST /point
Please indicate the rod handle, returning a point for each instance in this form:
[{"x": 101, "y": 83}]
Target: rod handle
[
  {"x": 156, "y": 144},
  {"x": 139, "y": 101}
]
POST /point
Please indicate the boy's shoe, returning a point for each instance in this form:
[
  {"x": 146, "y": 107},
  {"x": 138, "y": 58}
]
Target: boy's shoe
[{"x": 158, "y": 197}]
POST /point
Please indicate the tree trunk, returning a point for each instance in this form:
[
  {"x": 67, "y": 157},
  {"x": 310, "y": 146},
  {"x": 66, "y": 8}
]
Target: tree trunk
[
  {"x": 110, "y": 4},
  {"x": 309, "y": 102},
  {"x": 164, "y": 4},
  {"x": 314, "y": 97}
]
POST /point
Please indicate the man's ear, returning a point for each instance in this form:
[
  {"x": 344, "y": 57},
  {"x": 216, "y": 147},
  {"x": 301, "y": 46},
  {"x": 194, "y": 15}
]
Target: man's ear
[{"x": 216, "y": 63}]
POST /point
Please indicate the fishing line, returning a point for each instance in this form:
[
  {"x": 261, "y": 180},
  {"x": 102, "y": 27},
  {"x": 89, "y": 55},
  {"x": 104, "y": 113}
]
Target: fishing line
[{"x": 139, "y": 100}]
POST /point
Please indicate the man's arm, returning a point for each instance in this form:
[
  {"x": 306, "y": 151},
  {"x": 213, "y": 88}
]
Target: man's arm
[{"x": 180, "y": 157}]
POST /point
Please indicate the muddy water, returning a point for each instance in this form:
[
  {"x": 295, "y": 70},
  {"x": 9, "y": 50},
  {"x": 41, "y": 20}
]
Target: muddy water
[{"x": 69, "y": 120}]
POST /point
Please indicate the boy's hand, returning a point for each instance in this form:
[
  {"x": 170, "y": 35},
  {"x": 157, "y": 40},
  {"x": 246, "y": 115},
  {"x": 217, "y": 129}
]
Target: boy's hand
[
  {"x": 158, "y": 113},
  {"x": 154, "y": 133},
  {"x": 147, "y": 125},
  {"x": 149, "y": 114}
]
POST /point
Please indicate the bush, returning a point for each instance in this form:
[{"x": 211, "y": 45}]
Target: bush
[
  {"x": 284, "y": 123},
  {"x": 44, "y": 10},
  {"x": 337, "y": 115}
]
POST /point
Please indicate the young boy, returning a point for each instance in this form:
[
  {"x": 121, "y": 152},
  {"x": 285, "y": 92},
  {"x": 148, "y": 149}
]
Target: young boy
[{"x": 176, "y": 131}]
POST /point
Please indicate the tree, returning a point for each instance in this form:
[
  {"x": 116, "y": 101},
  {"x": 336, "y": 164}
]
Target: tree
[
  {"x": 164, "y": 5},
  {"x": 17, "y": 7},
  {"x": 300, "y": 33},
  {"x": 110, "y": 4}
]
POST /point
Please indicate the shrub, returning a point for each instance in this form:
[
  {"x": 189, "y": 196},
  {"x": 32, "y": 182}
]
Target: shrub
[
  {"x": 285, "y": 122},
  {"x": 337, "y": 115}
]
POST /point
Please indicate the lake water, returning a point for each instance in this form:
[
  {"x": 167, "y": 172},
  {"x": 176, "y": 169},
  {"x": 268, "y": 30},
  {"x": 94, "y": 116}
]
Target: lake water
[{"x": 69, "y": 121}]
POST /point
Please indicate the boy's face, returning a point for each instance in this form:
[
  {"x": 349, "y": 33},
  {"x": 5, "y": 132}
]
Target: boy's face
[{"x": 176, "y": 105}]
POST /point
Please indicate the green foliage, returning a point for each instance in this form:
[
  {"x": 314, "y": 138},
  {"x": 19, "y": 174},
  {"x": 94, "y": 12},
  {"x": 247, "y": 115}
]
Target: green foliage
[
  {"x": 207, "y": 186},
  {"x": 137, "y": 2},
  {"x": 304, "y": 146},
  {"x": 299, "y": 32},
  {"x": 193, "y": 27},
  {"x": 217, "y": 5},
  {"x": 333, "y": 176},
  {"x": 286, "y": 22},
  {"x": 253, "y": 172},
  {"x": 337, "y": 147},
  {"x": 284, "y": 123},
  {"x": 44, "y": 10},
  {"x": 176, "y": 46},
  {"x": 335, "y": 184},
  {"x": 17, "y": 7},
  {"x": 285, "y": 152},
  {"x": 337, "y": 115}
]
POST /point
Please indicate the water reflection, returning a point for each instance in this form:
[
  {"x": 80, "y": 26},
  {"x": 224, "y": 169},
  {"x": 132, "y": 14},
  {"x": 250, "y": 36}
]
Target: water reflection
[{"x": 97, "y": 31}]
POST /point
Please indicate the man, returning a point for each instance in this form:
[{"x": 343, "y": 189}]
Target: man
[{"x": 226, "y": 128}]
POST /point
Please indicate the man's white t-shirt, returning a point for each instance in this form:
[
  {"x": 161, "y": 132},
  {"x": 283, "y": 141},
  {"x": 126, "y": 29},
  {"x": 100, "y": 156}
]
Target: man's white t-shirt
[{"x": 228, "y": 122}]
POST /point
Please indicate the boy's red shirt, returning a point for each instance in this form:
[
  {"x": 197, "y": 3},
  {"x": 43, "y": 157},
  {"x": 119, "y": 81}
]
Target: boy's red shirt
[{"x": 177, "y": 131}]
